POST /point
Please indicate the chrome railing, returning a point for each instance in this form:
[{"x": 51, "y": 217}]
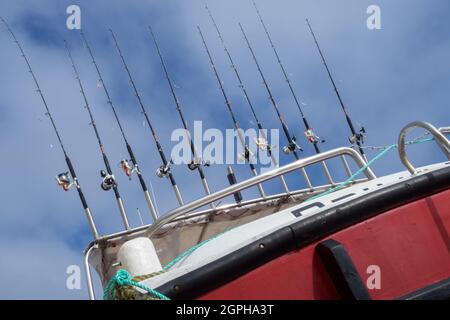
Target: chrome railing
[
  {"x": 87, "y": 269},
  {"x": 181, "y": 212},
  {"x": 172, "y": 215},
  {"x": 438, "y": 135},
  {"x": 444, "y": 130}
]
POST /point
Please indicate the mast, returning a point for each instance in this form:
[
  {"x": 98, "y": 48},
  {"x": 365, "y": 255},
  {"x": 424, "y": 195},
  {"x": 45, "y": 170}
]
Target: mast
[
  {"x": 109, "y": 181},
  {"x": 128, "y": 168},
  {"x": 247, "y": 152},
  {"x": 196, "y": 163},
  {"x": 309, "y": 133},
  {"x": 357, "y": 137},
  {"x": 68, "y": 179},
  {"x": 247, "y": 97},
  {"x": 292, "y": 144}
]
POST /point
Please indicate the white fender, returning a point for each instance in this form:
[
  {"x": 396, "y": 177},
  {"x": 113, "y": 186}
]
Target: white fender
[{"x": 138, "y": 257}]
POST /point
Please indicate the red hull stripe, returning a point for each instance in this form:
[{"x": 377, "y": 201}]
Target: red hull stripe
[
  {"x": 293, "y": 270},
  {"x": 406, "y": 248}
]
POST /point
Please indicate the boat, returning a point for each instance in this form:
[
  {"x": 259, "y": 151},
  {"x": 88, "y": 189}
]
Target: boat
[{"x": 364, "y": 238}]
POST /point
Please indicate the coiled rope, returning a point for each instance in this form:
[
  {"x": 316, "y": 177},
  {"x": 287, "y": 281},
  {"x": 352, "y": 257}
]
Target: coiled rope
[
  {"x": 122, "y": 283},
  {"x": 123, "y": 280}
]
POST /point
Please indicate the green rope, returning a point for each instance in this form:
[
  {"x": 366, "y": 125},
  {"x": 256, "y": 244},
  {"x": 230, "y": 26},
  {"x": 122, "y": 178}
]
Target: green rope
[
  {"x": 365, "y": 167},
  {"x": 123, "y": 278},
  {"x": 189, "y": 251}
]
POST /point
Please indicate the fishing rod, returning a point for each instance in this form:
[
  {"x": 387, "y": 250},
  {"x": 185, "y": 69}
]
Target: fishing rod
[
  {"x": 67, "y": 179},
  {"x": 357, "y": 137},
  {"x": 108, "y": 179},
  {"x": 197, "y": 163},
  {"x": 264, "y": 143},
  {"x": 292, "y": 145},
  {"x": 309, "y": 133},
  {"x": 247, "y": 154},
  {"x": 128, "y": 168},
  {"x": 165, "y": 170}
]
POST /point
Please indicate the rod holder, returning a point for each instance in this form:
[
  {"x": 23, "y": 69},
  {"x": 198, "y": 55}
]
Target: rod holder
[{"x": 232, "y": 180}]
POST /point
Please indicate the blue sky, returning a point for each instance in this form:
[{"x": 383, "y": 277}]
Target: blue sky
[{"x": 387, "y": 78}]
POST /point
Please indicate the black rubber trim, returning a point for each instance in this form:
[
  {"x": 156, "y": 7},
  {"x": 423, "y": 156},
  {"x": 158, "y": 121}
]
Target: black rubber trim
[
  {"x": 303, "y": 233},
  {"x": 437, "y": 291},
  {"x": 232, "y": 180},
  {"x": 342, "y": 270}
]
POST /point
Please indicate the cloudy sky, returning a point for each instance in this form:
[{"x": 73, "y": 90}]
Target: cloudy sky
[{"x": 387, "y": 78}]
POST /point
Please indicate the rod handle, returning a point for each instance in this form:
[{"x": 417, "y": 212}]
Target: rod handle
[{"x": 232, "y": 180}]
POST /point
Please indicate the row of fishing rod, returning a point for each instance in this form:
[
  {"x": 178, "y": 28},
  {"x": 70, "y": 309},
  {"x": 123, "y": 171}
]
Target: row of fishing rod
[{"x": 130, "y": 166}]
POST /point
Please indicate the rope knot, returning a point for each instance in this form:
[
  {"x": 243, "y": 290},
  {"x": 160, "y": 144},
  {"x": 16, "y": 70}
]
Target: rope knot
[{"x": 123, "y": 277}]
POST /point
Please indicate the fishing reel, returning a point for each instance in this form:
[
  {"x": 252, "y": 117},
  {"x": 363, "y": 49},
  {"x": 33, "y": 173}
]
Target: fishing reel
[
  {"x": 312, "y": 137},
  {"x": 263, "y": 144},
  {"x": 108, "y": 180},
  {"x": 292, "y": 146},
  {"x": 196, "y": 163},
  {"x": 164, "y": 170},
  {"x": 246, "y": 155},
  {"x": 65, "y": 181},
  {"x": 358, "y": 137},
  {"x": 128, "y": 167}
]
